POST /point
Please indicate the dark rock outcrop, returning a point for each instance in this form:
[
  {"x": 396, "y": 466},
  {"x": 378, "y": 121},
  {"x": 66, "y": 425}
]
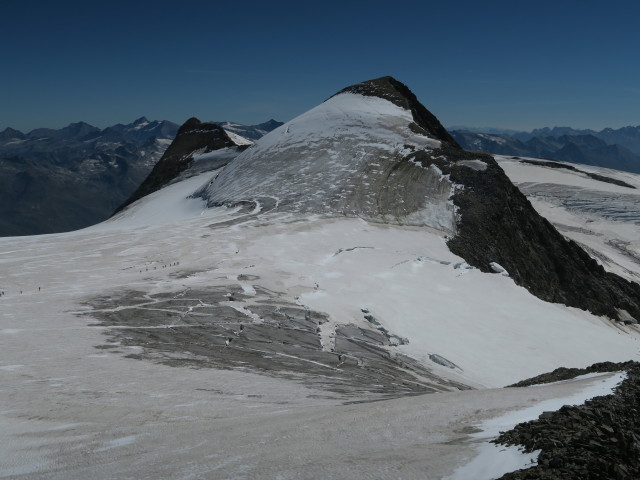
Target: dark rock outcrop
[
  {"x": 498, "y": 224},
  {"x": 193, "y": 136},
  {"x": 564, "y": 373},
  {"x": 597, "y": 440}
]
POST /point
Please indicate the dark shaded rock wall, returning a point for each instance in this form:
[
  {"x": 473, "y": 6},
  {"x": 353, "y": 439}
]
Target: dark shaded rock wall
[
  {"x": 598, "y": 440},
  {"x": 498, "y": 224}
]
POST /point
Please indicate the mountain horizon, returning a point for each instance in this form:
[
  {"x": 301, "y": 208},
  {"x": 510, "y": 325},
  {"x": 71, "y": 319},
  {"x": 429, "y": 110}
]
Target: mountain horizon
[{"x": 54, "y": 180}]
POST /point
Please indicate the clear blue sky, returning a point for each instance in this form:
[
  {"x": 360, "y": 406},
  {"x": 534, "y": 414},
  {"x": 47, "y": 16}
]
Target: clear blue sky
[{"x": 507, "y": 64}]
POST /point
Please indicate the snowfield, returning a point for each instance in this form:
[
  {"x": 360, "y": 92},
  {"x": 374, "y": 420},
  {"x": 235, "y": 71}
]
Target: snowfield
[{"x": 140, "y": 397}]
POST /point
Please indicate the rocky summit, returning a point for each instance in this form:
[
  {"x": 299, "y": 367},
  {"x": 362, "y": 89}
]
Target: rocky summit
[{"x": 193, "y": 137}]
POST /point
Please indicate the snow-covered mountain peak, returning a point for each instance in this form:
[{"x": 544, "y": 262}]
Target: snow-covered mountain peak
[
  {"x": 193, "y": 137},
  {"x": 399, "y": 94},
  {"x": 351, "y": 156},
  {"x": 373, "y": 152}
]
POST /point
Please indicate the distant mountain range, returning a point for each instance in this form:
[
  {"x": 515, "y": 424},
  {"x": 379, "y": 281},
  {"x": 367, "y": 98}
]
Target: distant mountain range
[
  {"x": 55, "y": 180},
  {"x": 612, "y": 148},
  {"x": 628, "y": 137}
]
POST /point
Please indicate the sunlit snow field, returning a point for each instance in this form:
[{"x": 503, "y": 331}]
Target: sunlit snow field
[{"x": 69, "y": 409}]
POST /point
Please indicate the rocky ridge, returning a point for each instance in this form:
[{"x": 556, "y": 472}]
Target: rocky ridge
[
  {"x": 193, "y": 137},
  {"x": 597, "y": 440},
  {"x": 498, "y": 224},
  {"x": 399, "y": 94}
]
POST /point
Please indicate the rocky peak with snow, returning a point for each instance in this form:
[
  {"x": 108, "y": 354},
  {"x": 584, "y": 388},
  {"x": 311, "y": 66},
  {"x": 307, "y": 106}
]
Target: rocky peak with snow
[
  {"x": 398, "y": 93},
  {"x": 193, "y": 138},
  {"x": 349, "y": 156},
  {"x": 373, "y": 151}
]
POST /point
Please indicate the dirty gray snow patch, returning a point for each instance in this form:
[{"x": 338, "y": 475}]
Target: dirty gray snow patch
[{"x": 234, "y": 327}]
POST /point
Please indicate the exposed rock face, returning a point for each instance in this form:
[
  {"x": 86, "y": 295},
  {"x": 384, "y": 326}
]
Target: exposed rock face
[
  {"x": 193, "y": 137},
  {"x": 597, "y": 440},
  {"x": 564, "y": 373},
  {"x": 498, "y": 224}
]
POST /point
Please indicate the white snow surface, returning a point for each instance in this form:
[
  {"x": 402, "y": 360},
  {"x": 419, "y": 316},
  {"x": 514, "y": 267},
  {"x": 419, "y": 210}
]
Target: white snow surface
[
  {"x": 494, "y": 330},
  {"x": 238, "y": 139},
  {"x": 169, "y": 205},
  {"x": 220, "y": 154}
]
